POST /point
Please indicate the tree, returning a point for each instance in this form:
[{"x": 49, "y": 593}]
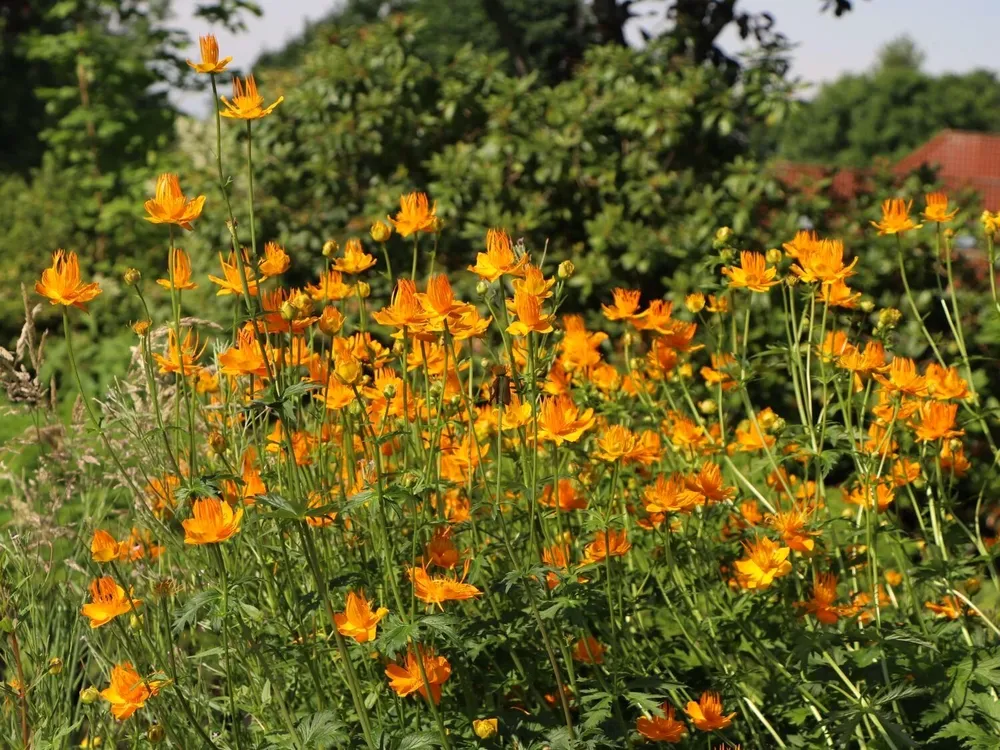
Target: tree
[{"x": 889, "y": 110}]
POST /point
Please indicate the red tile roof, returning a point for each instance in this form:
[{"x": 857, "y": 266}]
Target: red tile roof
[{"x": 963, "y": 159}]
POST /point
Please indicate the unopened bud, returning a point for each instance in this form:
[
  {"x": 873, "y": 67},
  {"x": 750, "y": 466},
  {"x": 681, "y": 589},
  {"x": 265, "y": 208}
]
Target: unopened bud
[
  {"x": 135, "y": 622},
  {"x": 481, "y": 288},
  {"x": 727, "y": 255},
  {"x": 217, "y": 441},
  {"x": 89, "y": 695},
  {"x": 773, "y": 256},
  {"x": 867, "y": 305},
  {"x": 628, "y": 339},
  {"x": 55, "y": 665},
  {"x": 695, "y": 302},
  {"x": 364, "y": 289},
  {"x": 288, "y": 311},
  {"x": 919, "y": 483},
  {"x": 437, "y": 224},
  {"x": 140, "y": 327},
  {"x": 132, "y": 276},
  {"x": 156, "y": 734},
  {"x": 889, "y": 318},
  {"x": 708, "y": 406},
  {"x": 954, "y": 445},
  {"x": 330, "y": 248},
  {"x": 766, "y": 419},
  {"x": 484, "y": 728},
  {"x": 389, "y": 392},
  {"x": 380, "y": 231},
  {"x": 331, "y": 321},
  {"x": 566, "y": 269},
  {"x": 972, "y": 585},
  {"x": 778, "y": 425}
]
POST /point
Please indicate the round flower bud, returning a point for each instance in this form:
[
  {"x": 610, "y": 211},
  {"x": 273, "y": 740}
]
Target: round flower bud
[
  {"x": 481, "y": 288},
  {"x": 288, "y": 311},
  {"x": 89, "y": 695},
  {"x": 972, "y": 585},
  {"x": 364, "y": 289},
  {"x": 55, "y": 665},
  {"x": 437, "y": 224},
  {"x": 330, "y": 248},
  {"x": 727, "y": 255},
  {"x": 484, "y": 728},
  {"x": 141, "y": 327},
  {"x": 156, "y": 734},
  {"x": 132, "y": 276},
  {"x": 867, "y": 305},
  {"x": 695, "y": 302},
  {"x": 135, "y": 622},
  {"x": 628, "y": 339},
  {"x": 766, "y": 419},
  {"x": 389, "y": 392},
  {"x": 217, "y": 441},
  {"x": 723, "y": 234},
  {"x": 889, "y": 318},
  {"x": 778, "y": 425},
  {"x": 708, "y": 406},
  {"x": 380, "y": 231},
  {"x": 954, "y": 445},
  {"x": 773, "y": 256},
  {"x": 566, "y": 269},
  {"x": 331, "y": 321}
]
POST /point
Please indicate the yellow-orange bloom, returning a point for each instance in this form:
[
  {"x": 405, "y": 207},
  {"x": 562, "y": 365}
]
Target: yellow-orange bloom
[
  {"x": 753, "y": 273},
  {"x": 937, "y": 208},
  {"x": 529, "y": 316},
  {"x": 895, "y": 217},
  {"x": 937, "y": 422},
  {"x": 231, "y": 282},
  {"x": 499, "y": 258},
  {"x": 107, "y": 601},
  {"x": 171, "y": 206},
  {"x": 662, "y": 728},
  {"x": 128, "y": 691},
  {"x": 670, "y": 495},
  {"x": 765, "y": 560},
  {"x": 213, "y": 521},
  {"x": 104, "y": 547},
  {"x": 61, "y": 282},
  {"x": 588, "y": 651},
  {"x": 404, "y": 309},
  {"x": 355, "y": 258},
  {"x": 607, "y": 543},
  {"x": 949, "y": 608},
  {"x": 407, "y": 680},
  {"x": 484, "y": 729},
  {"x": 824, "y": 263},
  {"x": 276, "y": 260},
  {"x": 210, "y": 62},
  {"x": 440, "y": 589},
  {"x": 617, "y": 444},
  {"x": 181, "y": 358},
  {"x": 247, "y": 103},
  {"x": 441, "y": 550},
  {"x": 416, "y": 214},
  {"x": 180, "y": 271},
  {"x": 821, "y": 606},
  {"x": 625, "y": 304},
  {"x": 560, "y": 420},
  {"x": 791, "y": 527},
  {"x": 707, "y": 714},
  {"x": 245, "y": 358},
  {"x": 357, "y": 621}
]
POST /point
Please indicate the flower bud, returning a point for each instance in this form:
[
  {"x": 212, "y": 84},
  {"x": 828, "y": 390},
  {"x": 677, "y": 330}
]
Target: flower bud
[
  {"x": 89, "y": 695},
  {"x": 919, "y": 483},
  {"x": 566, "y": 269},
  {"x": 723, "y": 235},
  {"x": 708, "y": 406},
  {"x": 766, "y": 419},
  {"x": 867, "y": 305},
  {"x": 685, "y": 370},
  {"x": 389, "y": 392},
  {"x": 132, "y": 276},
  {"x": 135, "y": 622},
  {"x": 437, "y": 224},
  {"x": 330, "y": 248},
  {"x": 889, "y": 318},
  {"x": 954, "y": 445},
  {"x": 380, "y": 231},
  {"x": 695, "y": 302},
  {"x": 481, "y": 288},
  {"x": 364, "y": 289},
  {"x": 484, "y": 728},
  {"x": 727, "y": 255},
  {"x": 55, "y": 665},
  {"x": 156, "y": 734},
  {"x": 217, "y": 441},
  {"x": 140, "y": 327},
  {"x": 778, "y": 425},
  {"x": 628, "y": 339},
  {"x": 331, "y": 321},
  {"x": 288, "y": 311},
  {"x": 972, "y": 585},
  {"x": 773, "y": 256}
]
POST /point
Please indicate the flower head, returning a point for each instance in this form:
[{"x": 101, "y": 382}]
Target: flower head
[
  {"x": 588, "y": 651},
  {"x": 895, "y": 217},
  {"x": 753, "y": 273},
  {"x": 104, "y": 547},
  {"x": 663, "y": 728},
  {"x": 357, "y": 621},
  {"x": 765, "y": 560},
  {"x": 180, "y": 271},
  {"x": 821, "y": 605},
  {"x": 210, "y": 62},
  {"x": 625, "y": 305},
  {"x": 416, "y": 214},
  {"x": 247, "y": 103},
  {"x": 171, "y": 206},
  {"x": 608, "y": 543},
  {"x": 440, "y": 589},
  {"x": 128, "y": 691},
  {"x": 407, "y": 680},
  {"x": 61, "y": 282},
  {"x": 213, "y": 521},
  {"x": 276, "y": 260},
  {"x": 231, "y": 281},
  {"x": 528, "y": 309},
  {"x": 107, "y": 601},
  {"x": 707, "y": 714},
  {"x": 499, "y": 258},
  {"x": 937, "y": 209},
  {"x": 560, "y": 420},
  {"x": 355, "y": 258}
]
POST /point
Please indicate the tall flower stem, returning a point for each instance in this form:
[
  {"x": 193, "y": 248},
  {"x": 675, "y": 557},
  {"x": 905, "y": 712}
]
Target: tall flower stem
[{"x": 221, "y": 562}]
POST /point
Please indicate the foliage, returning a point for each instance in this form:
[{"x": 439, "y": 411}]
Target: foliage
[{"x": 889, "y": 110}]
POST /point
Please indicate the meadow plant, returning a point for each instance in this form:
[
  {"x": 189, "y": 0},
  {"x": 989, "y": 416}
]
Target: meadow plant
[{"x": 430, "y": 521}]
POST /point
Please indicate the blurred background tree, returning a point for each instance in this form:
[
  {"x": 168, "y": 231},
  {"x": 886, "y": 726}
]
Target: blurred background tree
[{"x": 889, "y": 110}]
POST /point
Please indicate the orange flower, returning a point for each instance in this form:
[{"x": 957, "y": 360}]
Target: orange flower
[
  {"x": 355, "y": 259},
  {"x": 821, "y": 606},
  {"x": 210, "y": 62},
  {"x": 231, "y": 282},
  {"x": 407, "y": 680},
  {"x": 805, "y": 240},
  {"x": 937, "y": 422},
  {"x": 128, "y": 691},
  {"x": 618, "y": 443},
  {"x": 560, "y": 420},
  {"x": 670, "y": 496},
  {"x": 404, "y": 309},
  {"x": 276, "y": 260},
  {"x": 107, "y": 601},
  {"x": 709, "y": 483},
  {"x": 662, "y": 728},
  {"x": 895, "y": 217},
  {"x": 170, "y": 206},
  {"x": 718, "y": 373},
  {"x": 246, "y": 103},
  {"x": 838, "y": 294},
  {"x": 626, "y": 302},
  {"x": 441, "y": 550},
  {"x": 790, "y": 525},
  {"x": 765, "y": 560},
  {"x": 181, "y": 359},
  {"x": 588, "y": 651},
  {"x": 824, "y": 263},
  {"x": 484, "y": 729},
  {"x": 608, "y": 543},
  {"x": 567, "y": 498},
  {"x": 707, "y": 713},
  {"x": 937, "y": 208},
  {"x": 950, "y": 608},
  {"x": 61, "y": 282},
  {"x": 357, "y": 621},
  {"x": 439, "y": 302},
  {"x": 180, "y": 271},
  {"x": 213, "y": 521},
  {"x": 331, "y": 287},
  {"x": 534, "y": 283},
  {"x": 753, "y": 273},
  {"x": 903, "y": 378},
  {"x": 945, "y": 383},
  {"x": 870, "y": 496},
  {"x": 104, "y": 547},
  {"x": 415, "y": 215},
  {"x": 499, "y": 258},
  {"x": 437, "y": 590},
  {"x": 529, "y": 316},
  {"x": 245, "y": 358}
]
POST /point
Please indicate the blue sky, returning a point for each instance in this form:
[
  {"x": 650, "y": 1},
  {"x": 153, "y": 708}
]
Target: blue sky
[{"x": 955, "y": 35}]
